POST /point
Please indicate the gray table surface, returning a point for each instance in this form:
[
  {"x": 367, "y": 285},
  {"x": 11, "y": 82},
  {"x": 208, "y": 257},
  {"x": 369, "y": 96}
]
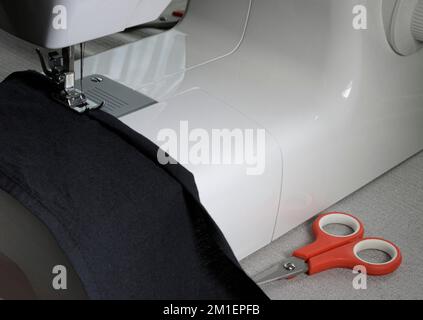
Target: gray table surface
[{"x": 390, "y": 207}]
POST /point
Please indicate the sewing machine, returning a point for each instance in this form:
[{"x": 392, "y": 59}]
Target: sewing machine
[{"x": 339, "y": 104}]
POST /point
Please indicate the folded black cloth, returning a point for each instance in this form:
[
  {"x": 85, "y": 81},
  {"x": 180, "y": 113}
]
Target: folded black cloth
[{"x": 132, "y": 228}]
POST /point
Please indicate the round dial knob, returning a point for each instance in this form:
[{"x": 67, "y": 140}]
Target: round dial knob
[
  {"x": 417, "y": 22},
  {"x": 406, "y": 30}
]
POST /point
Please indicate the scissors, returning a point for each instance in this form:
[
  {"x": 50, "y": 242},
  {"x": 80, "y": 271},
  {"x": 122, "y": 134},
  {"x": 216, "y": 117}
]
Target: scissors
[{"x": 331, "y": 251}]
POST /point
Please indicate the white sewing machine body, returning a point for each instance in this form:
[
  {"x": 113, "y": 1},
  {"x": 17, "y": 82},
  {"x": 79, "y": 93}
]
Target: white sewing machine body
[
  {"x": 56, "y": 24},
  {"x": 338, "y": 105}
]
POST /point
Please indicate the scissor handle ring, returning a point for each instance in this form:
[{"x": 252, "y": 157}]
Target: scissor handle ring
[
  {"x": 347, "y": 257},
  {"x": 326, "y": 241},
  {"x": 376, "y": 244},
  {"x": 339, "y": 218}
]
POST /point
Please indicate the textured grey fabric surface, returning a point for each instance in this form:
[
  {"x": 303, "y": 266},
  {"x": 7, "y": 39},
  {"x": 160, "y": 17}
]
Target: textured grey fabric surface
[
  {"x": 390, "y": 207},
  {"x": 16, "y": 55}
]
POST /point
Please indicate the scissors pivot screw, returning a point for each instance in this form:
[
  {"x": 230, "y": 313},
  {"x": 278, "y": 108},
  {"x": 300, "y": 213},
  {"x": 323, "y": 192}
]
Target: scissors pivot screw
[{"x": 289, "y": 266}]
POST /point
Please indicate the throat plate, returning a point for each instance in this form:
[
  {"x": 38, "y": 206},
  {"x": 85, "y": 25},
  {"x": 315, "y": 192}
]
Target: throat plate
[{"x": 118, "y": 99}]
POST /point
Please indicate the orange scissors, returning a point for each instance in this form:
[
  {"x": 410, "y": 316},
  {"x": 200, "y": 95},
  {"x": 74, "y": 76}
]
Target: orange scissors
[{"x": 331, "y": 251}]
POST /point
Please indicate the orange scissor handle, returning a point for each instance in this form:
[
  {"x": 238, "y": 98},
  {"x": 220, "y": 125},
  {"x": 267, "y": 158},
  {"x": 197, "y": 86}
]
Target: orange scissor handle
[
  {"x": 326, "y": 241},
  {"x": 347, "y": 257}
]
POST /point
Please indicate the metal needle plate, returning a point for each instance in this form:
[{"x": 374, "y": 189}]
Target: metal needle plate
[{"x": 118, "y": 99}]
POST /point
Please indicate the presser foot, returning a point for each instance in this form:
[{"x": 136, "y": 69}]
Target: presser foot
[
  {"x": 60, "y": 70},
  {"x": 76, "y": 100}
]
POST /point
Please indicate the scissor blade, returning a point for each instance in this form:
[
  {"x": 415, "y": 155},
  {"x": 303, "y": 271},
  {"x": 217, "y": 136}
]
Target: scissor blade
[{"x": 283, "y": 270}]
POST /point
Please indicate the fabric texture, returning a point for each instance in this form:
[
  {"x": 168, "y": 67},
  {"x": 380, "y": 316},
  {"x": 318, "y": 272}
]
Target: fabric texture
[{"x": 132, "y": 229}]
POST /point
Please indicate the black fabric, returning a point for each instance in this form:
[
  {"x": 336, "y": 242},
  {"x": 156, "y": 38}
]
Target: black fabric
[{"x": 132, "y": 229}]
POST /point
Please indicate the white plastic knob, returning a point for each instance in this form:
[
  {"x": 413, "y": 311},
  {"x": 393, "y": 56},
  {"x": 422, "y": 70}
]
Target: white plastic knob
[
  {"x": 402, "y": 38},
  {"x": 417, "y": 22}
]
